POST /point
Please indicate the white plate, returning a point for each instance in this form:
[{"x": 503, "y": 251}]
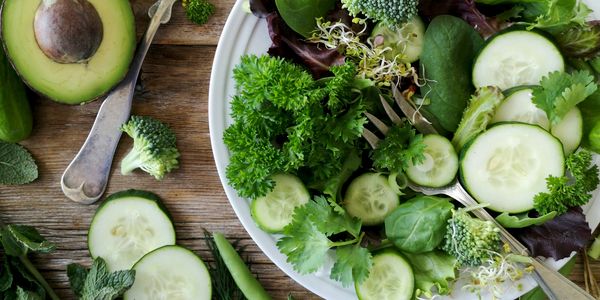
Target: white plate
[{"x": 246, "y": 34}]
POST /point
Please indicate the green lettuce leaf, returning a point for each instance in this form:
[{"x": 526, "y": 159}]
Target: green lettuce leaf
[
  {"x": 434, "y": 269},
  {"x": 591, "y": 122},
  {"x": 552, "y": 14},
  {"x": 523, "y": 220}
]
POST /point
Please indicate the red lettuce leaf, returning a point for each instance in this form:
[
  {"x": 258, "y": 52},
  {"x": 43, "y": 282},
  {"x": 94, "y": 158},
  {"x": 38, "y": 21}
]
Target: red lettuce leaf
[
  {"x": 262, "y": 8},
  {"x": 559, "y": 237},
  {"x": 464, "y": 9}
]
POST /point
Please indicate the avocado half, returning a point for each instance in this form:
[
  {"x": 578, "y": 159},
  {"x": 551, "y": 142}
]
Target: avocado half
[{"x": 70, "y": 81}]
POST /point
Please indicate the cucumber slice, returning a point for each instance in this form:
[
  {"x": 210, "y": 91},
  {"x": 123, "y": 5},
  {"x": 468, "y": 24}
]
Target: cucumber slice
[
  {"x": 406, "y": 40},
  {"x": 370, "y": 198},
  {"x": 519, "y": 107},
  {"x": 516, "y": 57},
  {"x": 170, "y": 272},
  {"x": 507, "y": 165},
  {"x": 440, "y": 165},
  {"x": 274, "y": 211},
  {"x": 128, "y": 225},
  {"x": 391, "y": 277}
]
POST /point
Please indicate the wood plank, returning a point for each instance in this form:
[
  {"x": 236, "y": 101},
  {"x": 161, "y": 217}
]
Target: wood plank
[{"x": 181, "y": 31}]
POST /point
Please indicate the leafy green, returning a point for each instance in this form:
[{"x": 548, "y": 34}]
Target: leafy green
[
  {"x": 523, "y": 220},
  {"x": 559, "y": 92},
  {"x": 16, "y": 164},
  {"x": 419, "y": 225},
  {"x": 301, "y": 15},
  {"x": 594, "y": 138},
  {"x": 434, "y": 272},
  {"x": 306, "y": 241},
  {"x": 478, "y": 115},
  {"x": 582, "y": 41},
  {"x": 286, "y": 122},
  {"x": 400, "y": 148},
  {"x": 18, "y": 276},
  {"x": 98, "y": 283},
  {"x": 552, "y": 14},
  {"x": 591, "y": 121},
  {"x": 566, "y": 192},
  {"x": 449, "y": 48}
]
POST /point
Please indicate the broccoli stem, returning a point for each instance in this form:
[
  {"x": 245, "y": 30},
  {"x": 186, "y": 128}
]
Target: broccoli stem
[{"x": 130, "y": 162}]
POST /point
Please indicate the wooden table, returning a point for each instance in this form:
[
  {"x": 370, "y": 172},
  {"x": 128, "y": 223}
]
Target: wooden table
[{"x": 175, "y": 78}]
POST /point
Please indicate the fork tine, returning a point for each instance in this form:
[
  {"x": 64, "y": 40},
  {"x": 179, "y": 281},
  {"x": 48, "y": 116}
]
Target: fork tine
[
  {"x": 390, "y": 111},
  {"x": 371, "y": 138},
  {"x": 413, "y": 115},
  {"x": 378, "y": 123}
]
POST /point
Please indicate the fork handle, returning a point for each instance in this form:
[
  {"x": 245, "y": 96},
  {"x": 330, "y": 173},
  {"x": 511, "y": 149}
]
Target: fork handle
[{"x": 555, "y": 285}]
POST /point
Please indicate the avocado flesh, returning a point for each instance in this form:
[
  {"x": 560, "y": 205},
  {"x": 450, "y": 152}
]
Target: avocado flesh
[{"x": 76, "y": 82}]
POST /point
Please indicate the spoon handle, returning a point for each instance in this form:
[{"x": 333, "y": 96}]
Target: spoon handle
[{"x": 86, "y": 177}]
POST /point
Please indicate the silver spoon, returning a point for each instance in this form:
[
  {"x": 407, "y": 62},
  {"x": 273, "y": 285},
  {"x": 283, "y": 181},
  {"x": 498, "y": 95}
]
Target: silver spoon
[{"x": 86, "y": 177}]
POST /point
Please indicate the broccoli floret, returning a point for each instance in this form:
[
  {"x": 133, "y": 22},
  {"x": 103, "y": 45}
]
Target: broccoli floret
[
  {"x": 392, "y": 12},
  {"x": 154, "y": 148},
  {"x": 198, "y": 11},
  {"x": 472, "y": 241}
]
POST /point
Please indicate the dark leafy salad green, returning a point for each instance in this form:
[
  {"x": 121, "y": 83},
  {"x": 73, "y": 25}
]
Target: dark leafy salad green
[{"x": 304, "y": 107}]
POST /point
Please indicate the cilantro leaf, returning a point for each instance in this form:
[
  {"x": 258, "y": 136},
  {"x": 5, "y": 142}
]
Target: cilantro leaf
[
  {"x": 566, "y": 192},
  {"x": 305, "y": 246},
  {"x": 16, "y": 165},
  {"x": 99, "y": 283},
  {"x": 352, "y": 264},
  {"x": 401, "y": 147},
  {"x": 559, "y": 92},
  {"x": 18, "y": 240}
]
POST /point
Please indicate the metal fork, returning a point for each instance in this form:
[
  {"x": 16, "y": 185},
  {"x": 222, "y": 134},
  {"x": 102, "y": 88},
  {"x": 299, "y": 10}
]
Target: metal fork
[{"x": 555, "y": 285}]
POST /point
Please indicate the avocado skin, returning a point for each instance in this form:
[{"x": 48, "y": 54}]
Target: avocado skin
[
  {"x": 88, "y": 93},
  {"x": 16, "y": 120}
]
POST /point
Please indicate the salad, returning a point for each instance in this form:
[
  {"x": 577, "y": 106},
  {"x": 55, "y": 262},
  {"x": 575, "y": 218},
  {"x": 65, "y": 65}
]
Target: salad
[{"x": 510, "y": 89}]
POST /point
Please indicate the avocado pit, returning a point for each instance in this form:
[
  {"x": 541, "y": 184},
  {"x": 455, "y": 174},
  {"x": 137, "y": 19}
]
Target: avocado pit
[{"x": 68, "y": 31}]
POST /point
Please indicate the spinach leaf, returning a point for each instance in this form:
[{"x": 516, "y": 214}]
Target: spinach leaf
[
  {"x": 523, "y": 220},
  {"x": 301, "y": 15},
  {"x": 434, "y": 271},
  {"x": 449, "y": 48},
  {"x": 419, "y": 225}
]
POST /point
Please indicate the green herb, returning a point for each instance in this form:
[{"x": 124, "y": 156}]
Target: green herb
[
  {"x": 401, "y": 147},
  {"x": 575, "y": 190},
  {"x": 98, "y": 283},
  {"x": 16, "y": 165},
  {"x": 478, "y": 115},
  {"x": 559, "y": 92},
  {"x": 449, "y": 48},
  {"x": 523, "y": 220},
  {"x": 434, "y": 272},
  {"x": 18, "y": 276},
  {"x": 154, "y": 147},
  {"x": 419, "y": 225},
  {"x": 198, "y": 11},
  {"x": 553, "y": 14},
  {"x": 470, "y": 240},
  {"x": 286, "y": 121},
  {"x": 306, "y": 241}
]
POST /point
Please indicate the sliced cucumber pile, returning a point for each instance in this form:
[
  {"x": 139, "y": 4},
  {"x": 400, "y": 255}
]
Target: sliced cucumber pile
[
  {"x": 391, "y": 277},
  {"x": 128, "y": 225},
  {"x": 518, "y": 107},
  {"x": 440, "y": 165},
  {"x": 507, "y": 165},
  {"x": 274, "y": 211},
  {"x": 170, "y": 272},
  {"x": 516, "y": 57},
  {"x": 370, "y": 198}
]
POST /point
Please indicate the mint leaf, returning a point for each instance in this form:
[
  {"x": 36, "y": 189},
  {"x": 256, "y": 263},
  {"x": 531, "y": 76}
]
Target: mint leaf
[
  {"x": 6, "y": 278},
  {"x": 99, "y": 283},
  {"x": 352, "y": 264},
  {"x": 27, "y": 295},
  {"x": 16, "y": 165},
  {"x": 559, "y": 92},
  {"x": 77, "y": 275},
  {"x": 17, "y": 240}
]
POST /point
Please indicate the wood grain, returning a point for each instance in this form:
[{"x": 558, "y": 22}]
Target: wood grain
[{"x": 175, "y": 78}]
